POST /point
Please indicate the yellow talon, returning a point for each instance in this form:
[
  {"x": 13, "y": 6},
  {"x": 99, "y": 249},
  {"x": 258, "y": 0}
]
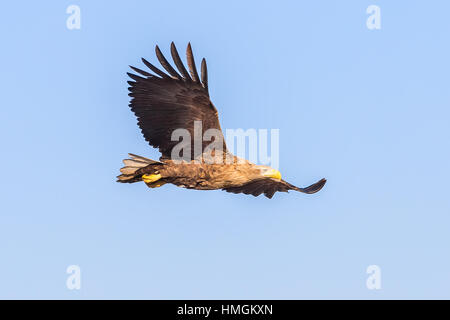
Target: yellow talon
[
  {"x": 150, "y": 178},
  {"x": 157, "y": 184}
]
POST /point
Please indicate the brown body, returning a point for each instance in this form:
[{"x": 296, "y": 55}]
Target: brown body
[{"x": 203, "y": 176}]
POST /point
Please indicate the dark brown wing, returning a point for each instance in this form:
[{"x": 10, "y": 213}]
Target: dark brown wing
[
  {"x": 269, "y": 186},
  {"x": 166, "y": 102}
]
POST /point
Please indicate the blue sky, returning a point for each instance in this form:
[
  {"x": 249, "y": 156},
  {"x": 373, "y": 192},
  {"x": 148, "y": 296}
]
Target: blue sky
[{"x": 367, "y": 109}]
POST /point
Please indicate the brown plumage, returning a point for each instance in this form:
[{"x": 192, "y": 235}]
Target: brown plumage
[{"x": 164, "y": 102}]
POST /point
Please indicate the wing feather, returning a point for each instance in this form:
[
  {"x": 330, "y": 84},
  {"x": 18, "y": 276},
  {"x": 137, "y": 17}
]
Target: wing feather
[
  {"x": 165, "y": 104},
  {"x": 204, "y": 75},
  {"x": 166, "y": 64},
  {"x": 144, "y": 73},
  {"x": 135, "y": 77},
  {"x": 154, "y": 69},
  {"x": 191, "y": 64},
  {"x": 269, "y": 186},
  {"x": 178, "y": 62}
]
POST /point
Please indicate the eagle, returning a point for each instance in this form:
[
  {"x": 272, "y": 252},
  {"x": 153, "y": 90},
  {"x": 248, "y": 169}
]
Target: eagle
[{"x": 179, "y": 99}]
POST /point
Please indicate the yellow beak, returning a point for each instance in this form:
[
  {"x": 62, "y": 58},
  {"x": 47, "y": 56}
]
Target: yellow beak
[{"x": 274, "y": 174}]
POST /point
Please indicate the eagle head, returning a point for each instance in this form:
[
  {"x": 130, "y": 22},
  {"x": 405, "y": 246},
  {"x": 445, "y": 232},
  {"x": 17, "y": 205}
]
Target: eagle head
[{"x": 269, "y": 172}]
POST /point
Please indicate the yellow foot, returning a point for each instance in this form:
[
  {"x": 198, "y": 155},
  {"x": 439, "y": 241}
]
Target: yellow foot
[
  {"x": 157, "y": 184},
  {"x": 150, "y": 178}
]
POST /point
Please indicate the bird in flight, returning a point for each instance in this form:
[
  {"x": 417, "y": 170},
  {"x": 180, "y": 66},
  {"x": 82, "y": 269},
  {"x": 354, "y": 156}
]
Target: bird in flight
[{"x": 166, "y": 102}]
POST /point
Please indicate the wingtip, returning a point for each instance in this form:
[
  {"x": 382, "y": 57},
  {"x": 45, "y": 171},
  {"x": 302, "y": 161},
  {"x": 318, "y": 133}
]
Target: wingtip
[
  {"x": 316, "y": 187},
  {"x": 204, "y": 71}
]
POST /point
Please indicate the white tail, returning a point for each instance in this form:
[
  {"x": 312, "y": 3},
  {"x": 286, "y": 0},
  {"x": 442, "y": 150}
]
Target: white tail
[{"x": 131, "y": 166}]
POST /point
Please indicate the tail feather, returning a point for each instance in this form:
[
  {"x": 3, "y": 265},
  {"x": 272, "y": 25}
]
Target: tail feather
[
  {"x": 136, "y": 157},
  {"x": 131, "y": 166},
  {"x": 128, "y": 170},
  {"x": 135, "y": 163}
]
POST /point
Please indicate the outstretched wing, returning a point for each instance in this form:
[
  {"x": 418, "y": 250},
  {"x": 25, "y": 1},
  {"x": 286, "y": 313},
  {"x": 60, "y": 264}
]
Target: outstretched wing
[
  {"x": 164, "y": 102},
  {"x": 269, "y": 186}
]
